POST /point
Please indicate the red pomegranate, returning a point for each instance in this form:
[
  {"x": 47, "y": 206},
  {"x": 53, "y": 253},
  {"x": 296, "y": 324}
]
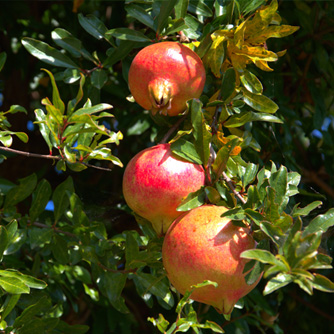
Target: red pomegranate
[
  {"x": 201, "y": 245},
  {"x": 163, "y": 76},
  {"x": 155, "y": 183}
]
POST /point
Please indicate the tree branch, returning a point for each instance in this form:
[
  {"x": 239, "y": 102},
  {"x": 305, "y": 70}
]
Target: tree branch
[
  {"x": 48, "y": 156},
  {"x": 231, "y": 186},
  {"x": 172, "y": 129},
  {"x": 55, "y": 229}
]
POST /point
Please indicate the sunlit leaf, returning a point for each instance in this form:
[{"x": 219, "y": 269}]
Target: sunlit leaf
[
  {"x": 320, "y": 223},
  {"x": 47, "y": 54},
  {"x": 259, "y": 102}
]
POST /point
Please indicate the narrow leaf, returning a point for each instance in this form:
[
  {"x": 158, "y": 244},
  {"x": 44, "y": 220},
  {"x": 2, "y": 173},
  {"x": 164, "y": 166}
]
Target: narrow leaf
[
  {"x": 320, "y": 223},
  {"x": 47, "y": 54},
  {"x": 259, "y": 102},
  {"x": 140, "y": 14},
  {"x": 60, "y": 197},
  {"x": 13, "y": 285}
]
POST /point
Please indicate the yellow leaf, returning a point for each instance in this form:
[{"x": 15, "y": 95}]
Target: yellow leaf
[
  {"x": 215, "y": 55},
  {"x": 256, "y": 53},
  {"x": 236, "y": 151},
  {"x": 261, "y": 64},
  {"x": 270, "y": 32},
  {"x": 239, "y": 34},
  {"x": 268, "y": 13},
  {"x": 239, "y": 62},
  {"x": 222, "y": 33},
  {"x": 221, "y": 138}
]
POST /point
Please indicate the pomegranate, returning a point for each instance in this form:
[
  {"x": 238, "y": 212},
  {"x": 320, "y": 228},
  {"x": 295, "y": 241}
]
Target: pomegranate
[
  {"x": 163, "y": 76},
  {"x": 201, "y": 245},
  {"x": 155, "y": 183}
]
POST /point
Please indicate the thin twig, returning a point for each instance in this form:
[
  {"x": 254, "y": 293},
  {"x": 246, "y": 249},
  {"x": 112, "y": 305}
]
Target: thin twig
[
  {"x": 128, "y": 271},
  {"x": 55, "y": 229},
  {"x": 48, "y": 156},
  {"x": 172, "y": 129},
  {"x": 231, "y": 186}
]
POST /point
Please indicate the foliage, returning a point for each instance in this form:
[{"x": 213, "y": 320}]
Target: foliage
[{"x": 56, "y": 260}]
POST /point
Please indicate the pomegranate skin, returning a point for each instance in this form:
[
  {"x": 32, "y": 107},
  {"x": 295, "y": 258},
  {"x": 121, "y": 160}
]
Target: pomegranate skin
[
  {"x": 155, "y": 183},
  {"x": 163, "y": 76},
  {"x": 201, "y": 245}
]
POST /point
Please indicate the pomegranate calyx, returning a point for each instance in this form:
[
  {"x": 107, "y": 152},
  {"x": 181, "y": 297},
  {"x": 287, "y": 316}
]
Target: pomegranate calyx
[{"x": 160, "y": 96}]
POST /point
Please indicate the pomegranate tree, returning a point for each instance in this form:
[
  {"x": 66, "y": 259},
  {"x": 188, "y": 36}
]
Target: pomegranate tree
[
  {"x": 155, "y": 183},
  {"x": 163, "y": 76},
  {"x": 201, "y": 245}
]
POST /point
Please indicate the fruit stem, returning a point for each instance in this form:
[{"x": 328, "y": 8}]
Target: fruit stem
[{"x": 172, "y": 129}]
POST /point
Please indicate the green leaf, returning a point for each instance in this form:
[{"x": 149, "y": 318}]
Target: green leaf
[
  {"x": 186, "y": 150},
  {"x": 260, "y": 255},
  {"x": 42, "y": 305},
  {"x": 9, "y": 305},
  {"x": 56, "y": 100},
  {"x": 279, "y": 181},
  {"x": 140, "y": 14},
  {"x": 3, "y": 57},
  {"x": 127, "y": 34},
  {"x": 161, "y": 323},
  {"x": 322, "y": 283},
  {"x": 249, "y": 175},
  {"x": 28, "y": 280},
  {"x": 47, "y": 54},
  {"x": 277, "y": 282},
  {"x": 119, "y": 53},
  {"x": 158, "y": 286},
  {"x": 220, "y": 163},
  {"x": 228, "y": 84},
  {"x": 176, "y": 26},
  {"x": 320, "y": 223},
  {"x": 43, "y": 128},
  {"x": 88, "y": 111},
  {"x": 99, "y": 78},
  {"x": 40, "y": 196},
  {"x": 16, "y": 108},
  {"x": 201, "y": 132},
  {"x": 244, "y": 117},
  {"x": 60, "y": 197},
  {"x": 60, "y": 249},
  {"x": 68, "y": 42},
  {"x": 3, "y": 240},
  {"x": 259, "y": 102},
  {"x": 112, "y": 285},
  {"x": 306, "y": 210},
  {"x": 181, "y": 8},
  {"x": 22, "y": 191},
  {"x": 193, "y": 200},
  {"x": 165, "y": 9},
  {"x": 13, "y": 285},
  {"x": 94, "y": 26},
  {"x": 38, "y": 237},
  {"x": 65, "y": 328},
  {"x": 251, "y": 82},
  {"x": 199, "y": 8},
  {"x": 73, "y": 103},
  {"x": 131, "y": 251}
]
